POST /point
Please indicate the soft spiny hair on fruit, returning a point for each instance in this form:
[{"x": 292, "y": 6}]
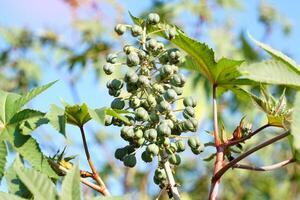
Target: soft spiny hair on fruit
[{"x": 153, "y": 85}]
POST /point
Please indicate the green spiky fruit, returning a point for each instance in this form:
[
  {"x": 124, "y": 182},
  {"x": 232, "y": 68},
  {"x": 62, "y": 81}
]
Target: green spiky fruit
[
  {"x": 120, "y": 29},
  {"x": 117, "y": 103},
  {"x": 153, "y": 18},
  {"x": 129, "y": 160}
]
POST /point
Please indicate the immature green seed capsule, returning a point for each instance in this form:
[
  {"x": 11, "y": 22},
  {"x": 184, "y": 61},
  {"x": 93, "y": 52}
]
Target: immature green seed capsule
[
  {"x": 141, "y": 114},
  {"x": 127, "y": 133},
  {"x": 165, "y": 70},
  {"x": 188, "y": 125},
  {"x": 160, "y": 173},
  {"x": 143, "y": 80},
  {"x": 170, "y": 33},
  {"x": 166, "y": 142},
  {"x": 154, "y": 118},
  {"x": 192, "y": 142},
  {"x": 107, "y": 120},
  {"x": 178, "y": 90},
  {"x": 138, "y": 133},
  {"x": 129, "y": 160},
  {"x": 176, "y": 80},
  {"x": 134, "y": 102},
  {"x": 108, "y": 69},
  {"x": 151, "y": 44},
  {"x": 120, "y": 153},
  {"x": 151, "y": 101},
  {"x": 132, "y": 59},
  {"x": 142, "y": 54},
  {"x": 164, "y": 129},
  {"x": 116, "y": 84},
  {"x": 128, "y": 49},
  {"x": 117, "y": 103},
  {"x": 189, "y": 101},
  {"x": 131, "y": 77},
  {"x": 158, "y": 88},
  {"x": 136, "y": 30},
  {"x": 169, "y": 123},
  {"x": 198, "y": 150},
  {"x": 140, "y": 142},
  {"x": 170, "y": 95},
  {"x": 188, "y": 112},
  {"x": 173, "y": 147},
  {"x": 152, "y": 135},
  {"x": 146, "y": 157},
  {"x": 175, "y": 159},
  {"x": 120, "y": 29},
  {"x": 114, "y": 92},
  {"x": 111, "y": 58},
  {"x": 153, "y": 18},
  {"x": 180, "y": 145},
  {"x": 164, "y": 106},
  {"x": 152, "y": 149}
]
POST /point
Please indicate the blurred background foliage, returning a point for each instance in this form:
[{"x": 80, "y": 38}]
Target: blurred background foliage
[{"x": 81, "y": 48}]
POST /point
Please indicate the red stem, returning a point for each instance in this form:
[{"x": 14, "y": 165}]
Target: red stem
[{"x": 214, "y": 189}]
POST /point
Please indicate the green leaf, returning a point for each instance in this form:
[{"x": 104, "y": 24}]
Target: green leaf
[
  {"x": 226, "y": 71},
  {"x": 25, "y": 115},
  {"x": 136, "y": 20},
  {"x": 57, "y": 119},
  {"x": 3, "y": 154},
  {"x": 7, "y": 106},
  {"x": 33, "y": 93},
  {"x": 14, "y": 184},
  {"x": 295, "y": 126},
  {"x": 39, "y": 184},
  {"x": 77, "y": 115},
  {"x": 278, "y": 55},
  {"x": 6, "y": 196},
  {"x": 71, "y": 185},
  {"x": 26, "y": 146},
  {"x": 271, "y": 72},
  {"x": 99, "y": 114}
]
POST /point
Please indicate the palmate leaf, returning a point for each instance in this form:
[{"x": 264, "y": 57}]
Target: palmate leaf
[
  {"x": 3, "y": 154},
  {"x": 39, "y": 184},
  {"x": 32, "y": 94},
  {"x": 271, "y": 72},
  {"x": 71, "y": 185},
  {"x": 295, "y": 127},
  {"x": 77, "y": 115},
  {"x": 226, "y": 71},
  {"x": 7, "y": 106},
  {"x": 57, "y": 119},
  {"x": 100, "y": 113},
  {"x": 26, "y": 146},
  {"x": 14, "y": 184}
]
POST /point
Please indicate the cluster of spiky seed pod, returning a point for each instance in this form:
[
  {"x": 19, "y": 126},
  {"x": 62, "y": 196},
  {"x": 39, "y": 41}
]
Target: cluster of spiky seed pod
[{"x": 148, "y": 91}]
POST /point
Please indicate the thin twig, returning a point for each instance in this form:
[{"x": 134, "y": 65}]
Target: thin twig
[
  {"x": 219, "y": 174},
  {"x": 234, "y": 142},
  {"x": 265, "y": 168},
  {"x": 96, "y": 176}
]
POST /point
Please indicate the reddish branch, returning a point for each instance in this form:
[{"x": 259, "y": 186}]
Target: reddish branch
[
  {"x": 96, "y": 176},
  {"x": 265, "y": 168},
  {"x": 220, "y": 150},
  {"x": 229, "y": 165}
]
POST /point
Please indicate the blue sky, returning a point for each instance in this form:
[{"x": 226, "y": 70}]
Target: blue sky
[{"x": 37, "y": 14}]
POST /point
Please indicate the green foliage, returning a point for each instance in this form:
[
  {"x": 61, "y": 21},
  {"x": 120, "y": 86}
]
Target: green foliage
[
  {"x": 39, "y": 184},
  {"x": 295, "y": 127},
  {"x": 71, "y": 185},
  {"x": 77, "y": 115},
  {"x": 3, "y": 154},
  {"x": 57, "y": 118}
]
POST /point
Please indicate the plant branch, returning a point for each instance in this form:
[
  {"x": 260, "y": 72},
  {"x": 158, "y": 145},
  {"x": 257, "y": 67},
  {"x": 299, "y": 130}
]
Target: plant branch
[
  {"x": 170, "y": 177},
  {"x": 96, "y": 176},
  {"x": 219, "y": 174},
  {"x": 214, "y": 189},
  {"x": 64, "y": 171},
  {"x": 265, "y": 168},
  {"x": 246, "y": 137}
]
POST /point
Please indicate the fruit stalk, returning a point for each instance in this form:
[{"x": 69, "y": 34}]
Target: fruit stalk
[{"x": 171, "y": 179}]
